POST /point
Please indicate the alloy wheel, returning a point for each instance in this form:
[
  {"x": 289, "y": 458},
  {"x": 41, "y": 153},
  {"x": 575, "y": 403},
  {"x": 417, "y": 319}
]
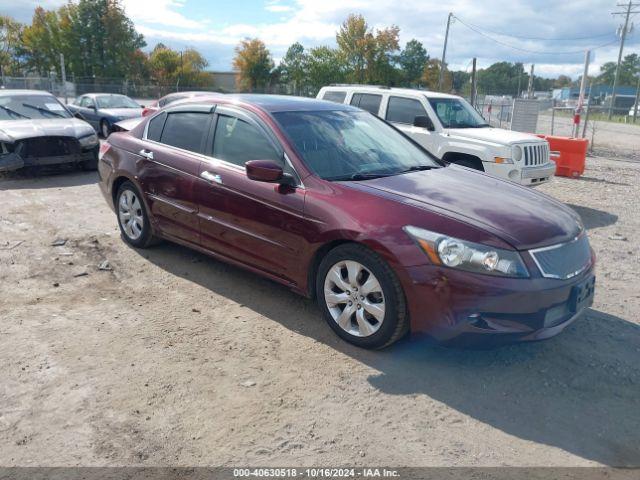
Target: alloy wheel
[
  {"x": 354, "y": 298},
  {"x": 130, "y": 214}
]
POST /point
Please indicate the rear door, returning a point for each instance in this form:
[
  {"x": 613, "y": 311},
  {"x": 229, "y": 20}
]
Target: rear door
[
  {"x": 256, "y": 223},
  {"x": 169, "y": 166},
  {"x": 401, "y": 111}
]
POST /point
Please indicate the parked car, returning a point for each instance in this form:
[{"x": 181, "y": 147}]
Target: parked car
[
  {"x": 632, "y": 111},
  {"x": 174, "y": 97},
  {"x": 36, "y": 129},
  {"x": 339, "y": 205},
  {"x": 102, "y": 110},
  {"x": 452, "y": 130}
]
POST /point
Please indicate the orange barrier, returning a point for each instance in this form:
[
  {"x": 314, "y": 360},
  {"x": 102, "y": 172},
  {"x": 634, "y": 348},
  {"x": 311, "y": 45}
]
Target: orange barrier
[{"x": 569, "y": 154}]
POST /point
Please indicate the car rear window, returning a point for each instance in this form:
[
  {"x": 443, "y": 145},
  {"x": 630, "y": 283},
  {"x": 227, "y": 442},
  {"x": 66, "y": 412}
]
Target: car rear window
[
  {"x": 154, "y": 130},
  {"x": 237, "y": 142},
  {"x": 185, "y": 130},
  {"x": 404, "y": 110},
  {"x": 335, "y": 96}
]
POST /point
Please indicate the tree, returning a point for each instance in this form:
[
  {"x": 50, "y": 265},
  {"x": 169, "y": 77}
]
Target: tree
[
  {"x": 325, "y": 66},
  {"x": 354, "y": 43},
  {"x": 292, "y": 68},
  {"x": 254, "y": 64},
  {"x": 368, "y": 58},
  {"x": 95, "y": 36},
  {"x": 10, "y": 33},
  {"x": 629, "y": 71},
  {"x": 431, "y": 74},
  {"x": 412, "y": 60}
]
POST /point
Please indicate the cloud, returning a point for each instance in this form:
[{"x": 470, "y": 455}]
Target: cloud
[{"x": 160, "y": 12}]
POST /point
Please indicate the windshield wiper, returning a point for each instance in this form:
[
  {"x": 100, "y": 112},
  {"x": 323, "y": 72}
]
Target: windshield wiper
[
  {"x": 361, "y": 176},
  {"x": 9, "y": 110},
  {"x": 420, "y": 168},
  {"x": 44, "y": 110}
]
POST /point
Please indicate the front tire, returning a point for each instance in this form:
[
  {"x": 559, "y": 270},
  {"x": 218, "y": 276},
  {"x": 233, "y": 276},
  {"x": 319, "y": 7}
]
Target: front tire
[
  {"x": 133, "y": 219},
  {"x": 361, "y": 297},
  {"x": 105, "y": 130}
]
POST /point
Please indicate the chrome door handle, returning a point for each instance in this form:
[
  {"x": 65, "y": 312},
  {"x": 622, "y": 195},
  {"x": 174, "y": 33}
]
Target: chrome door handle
[
  {"x": 148, "y": 154},
  {"x": 211, "y": 177}
]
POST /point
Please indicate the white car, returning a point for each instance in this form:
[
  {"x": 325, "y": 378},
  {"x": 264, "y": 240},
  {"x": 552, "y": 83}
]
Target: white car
[{"x": 452, "y": 130}]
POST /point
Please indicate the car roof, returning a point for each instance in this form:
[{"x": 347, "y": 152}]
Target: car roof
[
  {"x": 285, "y": 103},
  {"x": 9, "y": 92},
  {"x": 101, "y": 94},
  {"x": 381, "y": 89}
]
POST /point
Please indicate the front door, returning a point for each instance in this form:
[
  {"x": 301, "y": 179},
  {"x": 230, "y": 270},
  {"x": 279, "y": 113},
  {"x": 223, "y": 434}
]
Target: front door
[
  {"x": 256, "y": 223},
  {"x": 401, "y": 111}
]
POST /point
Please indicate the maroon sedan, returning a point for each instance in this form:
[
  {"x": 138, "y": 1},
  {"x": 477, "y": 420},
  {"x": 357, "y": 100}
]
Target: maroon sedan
[{"x": 339, "y": 205}]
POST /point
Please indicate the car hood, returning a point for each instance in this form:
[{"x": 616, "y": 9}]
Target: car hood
[
  {"x": 13, "y": 130},
  {"x": 128, "y": 124},
  {"x": 122, "y": 112},
  {"x": 494, "y": 135},
  {"x": 518, "y": 215}
]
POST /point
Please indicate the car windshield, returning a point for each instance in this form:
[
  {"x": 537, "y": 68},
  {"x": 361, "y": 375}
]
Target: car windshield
[
  {"x": 25, "y": 107},
  {"x": 457, "y": 113},
  {"x": 115, "y": 101},
  {"x": 352, "y": 145}
]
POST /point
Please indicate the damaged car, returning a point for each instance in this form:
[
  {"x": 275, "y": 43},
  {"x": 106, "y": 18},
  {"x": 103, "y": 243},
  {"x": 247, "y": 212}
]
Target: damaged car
[{"x": 36, "y": 129}]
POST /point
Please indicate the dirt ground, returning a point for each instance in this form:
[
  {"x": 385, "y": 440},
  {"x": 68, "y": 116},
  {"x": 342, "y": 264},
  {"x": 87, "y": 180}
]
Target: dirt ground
[{"x": 173, "y": 358}]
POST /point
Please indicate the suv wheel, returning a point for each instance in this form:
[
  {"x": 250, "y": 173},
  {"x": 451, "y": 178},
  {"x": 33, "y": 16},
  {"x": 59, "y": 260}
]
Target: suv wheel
[
  {"x": 361, "y": 297},
  {"x": 132, "y": 216}
]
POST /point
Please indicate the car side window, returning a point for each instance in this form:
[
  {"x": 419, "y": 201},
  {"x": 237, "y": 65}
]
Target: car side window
[
  {"x": 371, "y": 103},
  {"x": 404, "y": 110},
  {"x": 237, "y": 142},
  {"x": 86, "y": 102},
  {"x": 335, "y": 96},
  {"x": 185, "y": 130},
  {"x": 154, "y": 130},
  {"x": 355, "y": 99}
]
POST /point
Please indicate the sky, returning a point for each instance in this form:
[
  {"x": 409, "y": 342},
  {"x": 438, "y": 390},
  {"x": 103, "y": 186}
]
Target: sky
[{"x": 552, "y": 34}]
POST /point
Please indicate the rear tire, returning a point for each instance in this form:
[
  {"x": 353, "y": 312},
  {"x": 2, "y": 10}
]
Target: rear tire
[
  {"x": 133, "y": 218},
  {"x": 361, "y": 297}
]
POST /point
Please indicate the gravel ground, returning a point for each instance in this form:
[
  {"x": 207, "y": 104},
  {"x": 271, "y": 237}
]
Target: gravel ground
[{"x": 171, "y": 358}]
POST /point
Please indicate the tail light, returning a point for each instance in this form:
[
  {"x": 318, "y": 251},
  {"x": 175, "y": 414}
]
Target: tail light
[
  {"x": 104, "y": 148},
  {"x": 146, "y": 111}
]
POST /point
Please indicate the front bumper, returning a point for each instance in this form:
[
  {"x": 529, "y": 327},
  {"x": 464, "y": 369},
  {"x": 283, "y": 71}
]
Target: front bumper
[
  {"x": 534, "y": 175},
  {"x": 468, "y": 309}
]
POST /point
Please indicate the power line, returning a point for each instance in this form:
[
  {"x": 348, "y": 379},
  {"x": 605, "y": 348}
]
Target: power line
[
  {"x": 523, "y": 37},
  {"x": 538, "y": 52}
]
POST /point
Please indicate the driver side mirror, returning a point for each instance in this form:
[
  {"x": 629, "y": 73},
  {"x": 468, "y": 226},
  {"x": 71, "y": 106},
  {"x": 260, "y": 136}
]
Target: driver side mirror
[
  {"x": 267, "y": 171},
  {"x": 423, "y": 121}
]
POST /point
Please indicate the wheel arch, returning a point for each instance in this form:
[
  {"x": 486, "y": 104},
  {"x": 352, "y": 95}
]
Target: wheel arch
[
  {"x": 329, "y": 245},
  {"x": 455, "y": 157}
]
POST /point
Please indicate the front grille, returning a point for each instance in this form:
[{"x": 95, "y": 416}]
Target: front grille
[
  {"x": 49, "y": 147},
  {"x": 537, "y": 154},
  {"x": 565, "y": 260}
]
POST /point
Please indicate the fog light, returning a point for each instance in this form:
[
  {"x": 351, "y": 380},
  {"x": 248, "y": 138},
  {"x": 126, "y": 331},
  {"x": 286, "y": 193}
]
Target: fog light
[{"x": 514, "y": 174}]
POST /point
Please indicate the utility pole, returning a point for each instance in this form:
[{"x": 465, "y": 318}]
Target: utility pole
[
  {"x": 444, "y": 52},
  {"x": 623, "y": 36},
  {"x": 530, "y": 86},
  {"x": 64, "y": 77},
  {"x": 473, "y": 83},
  {"x": 583, "y": 88},
  {"x": 635, "y": 105}
]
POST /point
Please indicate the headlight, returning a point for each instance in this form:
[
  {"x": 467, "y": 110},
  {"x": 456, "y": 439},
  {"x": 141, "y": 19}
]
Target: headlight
[
  {"x": 88, "y": 140},
  {"x": 517, "y": 153},
  {"x": 473, "y": 257}
]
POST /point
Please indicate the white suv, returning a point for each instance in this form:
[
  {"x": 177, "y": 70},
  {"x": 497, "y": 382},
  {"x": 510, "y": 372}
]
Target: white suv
[{"x": 451, "y": 129}]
